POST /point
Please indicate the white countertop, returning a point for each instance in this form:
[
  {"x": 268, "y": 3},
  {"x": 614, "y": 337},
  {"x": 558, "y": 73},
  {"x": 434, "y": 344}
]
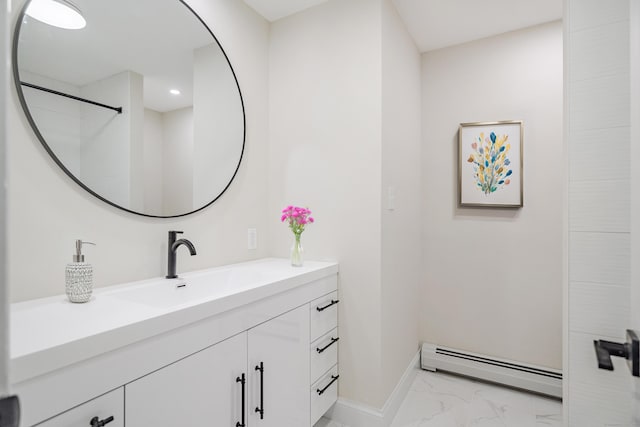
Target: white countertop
[{"x": 49, "y": 333}]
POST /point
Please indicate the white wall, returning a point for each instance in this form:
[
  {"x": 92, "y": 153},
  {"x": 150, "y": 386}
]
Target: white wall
[
  {"x": 4, "y": 288},
  {"x": 507, "y": 301},
  {"x": 344, "y": 126},
  {"x": 214, "y": 159},
  {"x": 153, "y": 162},
  {"x": 178, "y": 160},
  {"x": 168, "y": 161},
  {"x": 59, "y": 119},
  {"x": 105, "y": 165},
  {"x": 401, "y": 170},
  {"x": 600, "y": 154},
  {"x": 136, "y": 136},
  {"x": 47, "y": 211},
  {"x": 325, "y": 153}
]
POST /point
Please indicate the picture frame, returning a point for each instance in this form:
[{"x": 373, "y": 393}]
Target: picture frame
[{"x": 490, "y": 164}]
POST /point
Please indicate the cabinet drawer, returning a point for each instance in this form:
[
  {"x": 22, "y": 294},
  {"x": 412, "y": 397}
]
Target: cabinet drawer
[
  {"x": 103, "y": 407},
  {"x": 324, "y": 393},
  {"x": 324, "y": 315},
  {"x": 323, "y": 354}
]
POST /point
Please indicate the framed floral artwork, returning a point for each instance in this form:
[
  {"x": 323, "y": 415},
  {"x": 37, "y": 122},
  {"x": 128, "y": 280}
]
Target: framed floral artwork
[{"x": 490, "y": 164}]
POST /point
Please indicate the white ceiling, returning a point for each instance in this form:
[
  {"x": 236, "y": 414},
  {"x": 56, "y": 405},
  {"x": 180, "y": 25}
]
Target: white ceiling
[
  {"x": 273, "y": 10},
  {"x": 435, "y": 24}
]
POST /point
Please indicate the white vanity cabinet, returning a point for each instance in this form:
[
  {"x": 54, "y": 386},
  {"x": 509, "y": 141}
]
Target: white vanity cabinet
[
  {"x": 155, "y": 362},
  {"x": 279, "y": 371},
  {"x": 106, "y": 410},
  {"x": 207, "y": 387},
  {"x": 201, "y": 389},
  {"x": 323, "y": 354}
]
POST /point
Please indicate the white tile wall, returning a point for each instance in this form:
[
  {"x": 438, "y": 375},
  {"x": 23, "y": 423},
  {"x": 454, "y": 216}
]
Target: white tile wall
[
  {"x": 600, "y": 51},
  {"x": 599, "y": 206},
  {"x": 606, "y": 145},
  {"x": 587, "y": 316},
  {"x": 586, "y": 14},
  {"x": 600, "y": 103},
  {"x": 595, "y": 407},
  {"x": 599, "y": 258}
]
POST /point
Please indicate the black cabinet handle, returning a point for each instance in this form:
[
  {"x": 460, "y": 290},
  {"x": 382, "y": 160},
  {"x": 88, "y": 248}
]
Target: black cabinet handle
[
  {"x": 333, "y": 302},
  {"x": 260, "y": 409},
  {"x": 334, "y": 378},
  {"x": 242, "y": 381},
  {"x": 333, "y": 341},
  {"x": 96, "y": 422}
]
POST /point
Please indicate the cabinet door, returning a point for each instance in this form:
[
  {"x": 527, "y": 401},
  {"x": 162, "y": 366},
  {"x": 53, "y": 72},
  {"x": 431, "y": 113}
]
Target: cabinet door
[
  {"x": 199, "y": 390},
  {"x": 108, "y": 408},
  {"x": 281, "y": 347}
]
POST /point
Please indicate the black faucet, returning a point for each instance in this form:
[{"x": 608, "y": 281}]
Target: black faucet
[{"x": 173, "y": 245}]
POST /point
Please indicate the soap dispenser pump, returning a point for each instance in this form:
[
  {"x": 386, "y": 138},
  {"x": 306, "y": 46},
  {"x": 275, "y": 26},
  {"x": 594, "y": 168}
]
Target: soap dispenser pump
[{"x": 79, "y": 276}]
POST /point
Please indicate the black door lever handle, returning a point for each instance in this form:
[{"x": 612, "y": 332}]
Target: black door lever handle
[
  {"x": 606, "y": 349},
  {"x": 629, "y": 350}
]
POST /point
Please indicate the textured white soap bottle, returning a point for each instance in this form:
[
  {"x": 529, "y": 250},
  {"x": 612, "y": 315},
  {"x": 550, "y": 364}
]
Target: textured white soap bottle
[{"x": 79, "y": 276}]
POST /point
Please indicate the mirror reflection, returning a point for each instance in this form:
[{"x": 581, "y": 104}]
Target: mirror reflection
[{"x": 140, "y": 106}]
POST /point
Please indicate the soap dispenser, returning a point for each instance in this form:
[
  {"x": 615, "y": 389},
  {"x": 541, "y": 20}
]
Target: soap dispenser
[{"x": 79, "y": 276}]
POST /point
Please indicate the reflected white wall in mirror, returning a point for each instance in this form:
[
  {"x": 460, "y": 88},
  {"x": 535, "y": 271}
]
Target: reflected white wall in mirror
[{"x": 165, "y": 154}]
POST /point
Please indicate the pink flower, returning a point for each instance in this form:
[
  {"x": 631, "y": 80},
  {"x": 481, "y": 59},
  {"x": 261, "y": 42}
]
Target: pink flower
[{"x": 297, "y": 217}]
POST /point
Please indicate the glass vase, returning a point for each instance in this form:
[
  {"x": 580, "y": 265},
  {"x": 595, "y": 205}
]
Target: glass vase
[{"x": 297, "y": 253}]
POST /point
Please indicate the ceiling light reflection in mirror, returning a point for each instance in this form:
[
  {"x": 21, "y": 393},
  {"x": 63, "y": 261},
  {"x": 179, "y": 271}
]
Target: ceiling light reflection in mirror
[
  {"x": 166, "y": 154},
  {"x": 58, "y": 13}
]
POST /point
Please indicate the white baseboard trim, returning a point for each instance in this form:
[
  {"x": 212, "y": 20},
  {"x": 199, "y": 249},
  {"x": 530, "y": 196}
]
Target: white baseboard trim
[{"x": 356, "y": 414}]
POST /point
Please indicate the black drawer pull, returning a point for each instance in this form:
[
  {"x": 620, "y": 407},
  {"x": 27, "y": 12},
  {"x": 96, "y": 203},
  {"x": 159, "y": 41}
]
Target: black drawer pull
[
  {"x": 242, "y": 381},
  {"x": 333, "y": 302},
  {"x": 334, "y": 378},
  {"x": 333, "y": 341},
  {"x": 95, "y": 421}
]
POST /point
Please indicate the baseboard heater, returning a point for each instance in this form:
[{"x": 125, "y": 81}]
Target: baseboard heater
[{"x": 528, "y": 377}]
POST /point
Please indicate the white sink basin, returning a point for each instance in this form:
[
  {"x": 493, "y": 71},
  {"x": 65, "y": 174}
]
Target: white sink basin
[{"x": 191, "y": 289}]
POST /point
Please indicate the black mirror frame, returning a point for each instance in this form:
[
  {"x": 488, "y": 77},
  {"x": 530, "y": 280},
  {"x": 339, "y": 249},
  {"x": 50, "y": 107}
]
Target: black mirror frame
[{"x": 25, "y": 108}]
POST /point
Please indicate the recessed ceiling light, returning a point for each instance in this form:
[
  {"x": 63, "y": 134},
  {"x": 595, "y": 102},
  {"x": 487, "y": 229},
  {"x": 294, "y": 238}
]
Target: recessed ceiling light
[
  {"x": 59, "y": 13},
  {"x": 174, "y": 92}
]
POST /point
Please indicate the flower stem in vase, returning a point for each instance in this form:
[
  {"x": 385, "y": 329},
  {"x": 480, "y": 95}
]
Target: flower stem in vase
[{"x": 297, "y": 252}]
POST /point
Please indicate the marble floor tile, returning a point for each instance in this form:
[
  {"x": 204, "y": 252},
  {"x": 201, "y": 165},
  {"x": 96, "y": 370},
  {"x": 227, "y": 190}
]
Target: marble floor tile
[
  {"x": 443, "y": 400},
  {"x": 328, "y": 423}
]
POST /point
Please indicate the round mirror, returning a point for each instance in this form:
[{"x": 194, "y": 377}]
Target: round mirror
[{"x": 135, "y": 100}]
